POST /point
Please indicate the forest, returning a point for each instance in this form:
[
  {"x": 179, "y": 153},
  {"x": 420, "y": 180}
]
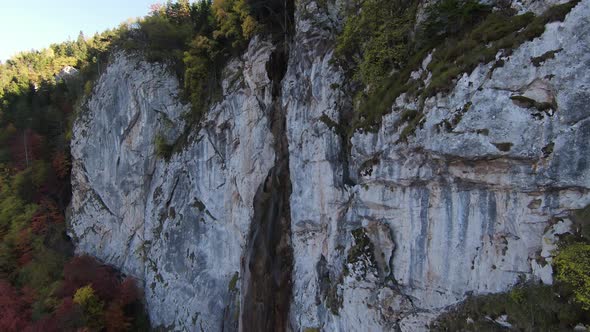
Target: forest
[{"x": 43, "y": 286}]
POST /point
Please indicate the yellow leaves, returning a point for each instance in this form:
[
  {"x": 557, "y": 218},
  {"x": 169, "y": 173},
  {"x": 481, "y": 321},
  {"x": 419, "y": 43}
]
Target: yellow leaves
[
  {"x": 241, "y": 8},
  {"x": 92, "y": 306},
  {"x": 88, "y": 85},
  {"x": 573, "y": 267},
  {"x": 249, "y": 27},
  {"x": 218, "y": 5},
  {"x": 234, "y": 19},
  {"x": 84, "y": 295}
]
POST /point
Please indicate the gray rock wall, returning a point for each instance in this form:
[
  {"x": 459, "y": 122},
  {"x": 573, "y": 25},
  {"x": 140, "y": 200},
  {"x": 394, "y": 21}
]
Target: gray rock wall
[
  {"x": 178, "y": 225},
  {"x": 382, "y": 239},
  {"x": 466, "y": 209}
]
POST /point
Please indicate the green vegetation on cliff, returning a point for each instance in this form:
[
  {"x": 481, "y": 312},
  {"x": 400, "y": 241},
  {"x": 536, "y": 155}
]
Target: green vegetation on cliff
[
  {"x": 197, "y": 39},
  {"x": 573, "y": 268},
  {"x": 383, "y": 42},
  {"x": 533, "y": 306},
  {"x": 528, "y": 307},
  {"x": 200, "y": 38}
]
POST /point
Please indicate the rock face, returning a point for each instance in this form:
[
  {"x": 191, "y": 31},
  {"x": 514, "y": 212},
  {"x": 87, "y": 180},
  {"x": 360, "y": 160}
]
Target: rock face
[
  {"x": 179, "y": 225},
  {"x": 384, "y": 234}
]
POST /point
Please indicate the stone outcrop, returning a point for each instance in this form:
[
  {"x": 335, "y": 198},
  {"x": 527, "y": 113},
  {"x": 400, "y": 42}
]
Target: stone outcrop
[
  {"x": 179, "y": 225},
  {"x": 383, "y": 234}
]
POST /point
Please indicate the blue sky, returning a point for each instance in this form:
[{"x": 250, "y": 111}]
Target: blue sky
[{"x": 34, "y": 24}]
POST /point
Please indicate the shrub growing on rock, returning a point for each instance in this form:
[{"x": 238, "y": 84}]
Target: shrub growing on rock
[{"x": 573, "y": 268}]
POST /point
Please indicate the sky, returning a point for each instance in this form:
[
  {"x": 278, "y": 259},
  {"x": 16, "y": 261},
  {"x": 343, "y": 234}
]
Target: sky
[{"x": 35, "y": 24}]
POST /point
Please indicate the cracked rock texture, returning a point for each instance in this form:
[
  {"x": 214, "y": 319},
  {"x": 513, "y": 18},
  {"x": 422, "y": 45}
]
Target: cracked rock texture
[
  {"x": 178, "y": 225},
  {"x": 458, "y": 210}
]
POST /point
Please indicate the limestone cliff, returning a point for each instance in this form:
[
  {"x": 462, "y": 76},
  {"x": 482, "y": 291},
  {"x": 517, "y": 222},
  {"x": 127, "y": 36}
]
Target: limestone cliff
[{"x": 265, "y": 202}]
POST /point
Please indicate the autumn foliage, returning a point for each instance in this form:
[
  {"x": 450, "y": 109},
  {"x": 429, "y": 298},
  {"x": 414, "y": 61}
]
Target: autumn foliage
[
  {"x": 61, "y": 165},
  {"x": 13, "y": 310},
  {"x": 43, "y": 286},
  {"x": 92, "y": 296}
]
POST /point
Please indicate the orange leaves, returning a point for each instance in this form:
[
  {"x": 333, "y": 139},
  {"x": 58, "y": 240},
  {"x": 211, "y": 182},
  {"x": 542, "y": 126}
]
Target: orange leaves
[
  {"x": 85, "y": 270},
  {"x": 23, "y": 247},
  {"x": 128, "y": 292},
  {"x": 61, "y": 165},
  {"x": 47, "y": 213},
  {"x": 14, "y": 314},
  {"x": 39, "y": 223},
  {"x": 115, "y": 318},
  {"x": 26, "y": 146}
]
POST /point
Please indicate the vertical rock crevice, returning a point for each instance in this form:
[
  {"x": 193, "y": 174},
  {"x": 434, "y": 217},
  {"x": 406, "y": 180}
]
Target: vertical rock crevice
[{"x": 268, "y": 260}]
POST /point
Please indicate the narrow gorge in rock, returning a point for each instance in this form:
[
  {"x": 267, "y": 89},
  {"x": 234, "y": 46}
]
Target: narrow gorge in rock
[{"x": 268, "y": 260}]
